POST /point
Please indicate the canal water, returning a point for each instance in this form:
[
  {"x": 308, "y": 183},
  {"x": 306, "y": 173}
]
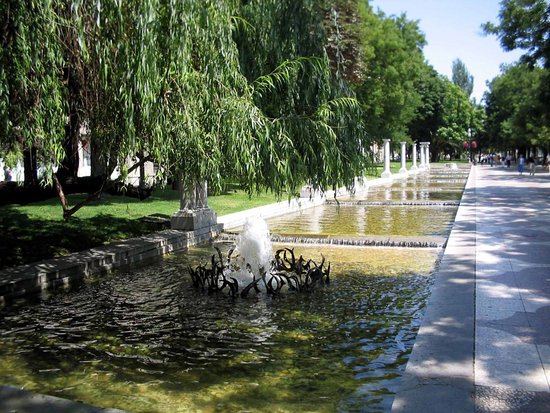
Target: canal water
[{"x": 147, "y": 341}]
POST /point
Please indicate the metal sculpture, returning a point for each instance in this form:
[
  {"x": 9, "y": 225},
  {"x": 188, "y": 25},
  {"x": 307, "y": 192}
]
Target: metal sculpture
[{"x": 297, "y": 274}]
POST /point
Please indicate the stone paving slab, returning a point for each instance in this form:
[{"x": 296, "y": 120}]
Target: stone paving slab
[
  {"x": 499, "y": 359},
  {"x": 500, "y": 400},
  {"x": 513, "y": 290}
]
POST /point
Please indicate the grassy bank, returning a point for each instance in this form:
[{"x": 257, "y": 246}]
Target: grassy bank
[{"x": 37, "y": 231}]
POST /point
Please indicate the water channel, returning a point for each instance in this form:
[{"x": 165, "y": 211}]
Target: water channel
[{"x": 146, "y": 341}]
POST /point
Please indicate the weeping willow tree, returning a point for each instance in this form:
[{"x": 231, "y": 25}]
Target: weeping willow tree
[
  {"x": 33, "y": 104},
  {"x": 283, "y": 55},
  {"x": 206, "y": 90}
]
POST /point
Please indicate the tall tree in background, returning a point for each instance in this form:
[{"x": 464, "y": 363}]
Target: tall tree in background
[
  {"x": 444, "y": 116},
  {"x": 525, "y": 25},
  {"x": 391, "y": 52},
  {"x": 514, "y": 111},
  {"x": 462, "y": 77}
]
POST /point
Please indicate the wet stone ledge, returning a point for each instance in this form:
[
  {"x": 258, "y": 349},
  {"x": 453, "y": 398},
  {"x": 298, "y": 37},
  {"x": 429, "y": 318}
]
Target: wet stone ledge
[
  {"x": 394, "y": 203},
  {"x": 58, "y": 272},
  {"x": 370, "y": 241}
]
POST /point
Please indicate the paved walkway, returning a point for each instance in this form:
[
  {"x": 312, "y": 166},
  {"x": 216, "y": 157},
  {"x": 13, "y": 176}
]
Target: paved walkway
[{"x": 484, "y": 345}]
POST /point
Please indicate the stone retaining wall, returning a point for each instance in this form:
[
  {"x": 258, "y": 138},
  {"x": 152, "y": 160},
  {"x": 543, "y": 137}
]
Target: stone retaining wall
[{"x": 33, "y": 278}]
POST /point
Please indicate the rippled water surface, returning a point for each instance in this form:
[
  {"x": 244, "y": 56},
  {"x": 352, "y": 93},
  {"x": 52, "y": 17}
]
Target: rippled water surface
[
  {"x": 146, "y": 341},
  {"x": 360, "y": 220}
]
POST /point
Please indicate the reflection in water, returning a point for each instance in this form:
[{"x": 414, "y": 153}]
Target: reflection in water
[
  {"x": 147, "y": 342},
  {"x": 337, "y": 220}
]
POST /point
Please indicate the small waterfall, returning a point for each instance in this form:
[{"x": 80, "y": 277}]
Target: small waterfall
[
  {"x": 397, "y": 242},
  {"x": 453, "y": 204},
  {"x": 363, "y": 241}
]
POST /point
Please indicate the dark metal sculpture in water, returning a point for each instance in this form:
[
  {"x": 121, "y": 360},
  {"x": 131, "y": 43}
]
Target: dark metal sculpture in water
[{"x": 297, "y": 274}]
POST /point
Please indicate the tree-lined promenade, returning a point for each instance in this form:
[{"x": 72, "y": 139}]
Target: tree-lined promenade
[{"x": 268, "y": 94}]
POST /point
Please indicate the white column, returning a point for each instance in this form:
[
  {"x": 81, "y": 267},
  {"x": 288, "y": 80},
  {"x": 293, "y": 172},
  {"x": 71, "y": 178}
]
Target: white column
[
  {"x": 422, "y": 156},
  {"x": 427, "y": 156},
  {"x": 414, "y": 167},
  {"x": 403, "y": 169},
  {"x": 387, "y": 172}
]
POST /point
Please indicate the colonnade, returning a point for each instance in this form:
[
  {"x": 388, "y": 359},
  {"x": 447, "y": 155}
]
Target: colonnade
[
  {"x": 195, "y": 214},
  {"x": 424, "y": 158}
]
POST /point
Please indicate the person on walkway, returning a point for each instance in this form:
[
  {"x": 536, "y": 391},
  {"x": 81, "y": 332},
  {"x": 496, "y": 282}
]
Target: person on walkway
[
  {"x": 532, "y": 165},
  {"x": 521, "y": 164}
]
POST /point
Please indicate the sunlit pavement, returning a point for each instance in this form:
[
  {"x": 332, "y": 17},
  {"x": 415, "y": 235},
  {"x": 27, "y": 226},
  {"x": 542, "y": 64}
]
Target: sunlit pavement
[{"x": 484, "y": 345}]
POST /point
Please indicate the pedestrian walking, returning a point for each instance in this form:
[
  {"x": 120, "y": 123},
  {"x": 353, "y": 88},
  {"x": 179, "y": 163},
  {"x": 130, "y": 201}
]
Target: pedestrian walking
[
  {"x": 532, "y": 165},
  {"x": 521, "y": 164}
]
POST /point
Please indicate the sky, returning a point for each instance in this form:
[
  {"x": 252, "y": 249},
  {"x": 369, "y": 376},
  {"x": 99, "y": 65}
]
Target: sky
[{"x": 453, "y": 31}]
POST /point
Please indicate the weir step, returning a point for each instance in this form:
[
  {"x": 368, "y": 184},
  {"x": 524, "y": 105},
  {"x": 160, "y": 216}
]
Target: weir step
[
  {"x": 453, "y": 204},
  {"x": 372, "y": 241}
]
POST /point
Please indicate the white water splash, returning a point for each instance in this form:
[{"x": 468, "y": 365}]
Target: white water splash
[{"x": 255, "y": 247}]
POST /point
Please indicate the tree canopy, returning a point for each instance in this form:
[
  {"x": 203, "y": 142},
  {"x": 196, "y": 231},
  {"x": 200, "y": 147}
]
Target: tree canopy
[
  {"x": 462, "y": 77},
  {"x": 514, "y": 112},
  {"x": 524, "y": 24},
  {"x": 391, "y": 53},
  {"x": 270, "y": 93},
  {"x": 518, "y": 103},
  {"x": 206, "y": 89}
]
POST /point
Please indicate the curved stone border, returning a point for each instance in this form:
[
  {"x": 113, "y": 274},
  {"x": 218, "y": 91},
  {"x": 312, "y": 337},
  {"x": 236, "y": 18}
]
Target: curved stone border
[
  {"x": 439, "y": 376},
  {"x": 62, "y": 271}
]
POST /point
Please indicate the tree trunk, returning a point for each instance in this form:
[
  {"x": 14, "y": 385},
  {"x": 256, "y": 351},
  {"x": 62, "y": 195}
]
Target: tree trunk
[
  {"x": 69, "y": 167},
  {"x": 31, "y": 167},
  {"x": 98, "y": 166}
]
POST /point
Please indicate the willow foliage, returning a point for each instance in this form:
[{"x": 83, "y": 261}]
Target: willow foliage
[
  {"x": 32, "y": 98},
  {"x": 314, "y": 112},
  {"x": 207, "y": 90}
]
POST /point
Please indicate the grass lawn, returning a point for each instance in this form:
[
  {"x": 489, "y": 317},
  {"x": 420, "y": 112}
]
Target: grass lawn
[{"x": 37, "y": 231}]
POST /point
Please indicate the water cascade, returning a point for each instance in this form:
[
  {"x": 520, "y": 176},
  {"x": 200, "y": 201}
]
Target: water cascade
[{"x": 143, "y": 339}]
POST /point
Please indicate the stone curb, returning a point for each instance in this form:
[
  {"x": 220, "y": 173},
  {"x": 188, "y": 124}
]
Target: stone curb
[
  {"x": 439, "y": 376},
  {"x": 33, "y": 278}
]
